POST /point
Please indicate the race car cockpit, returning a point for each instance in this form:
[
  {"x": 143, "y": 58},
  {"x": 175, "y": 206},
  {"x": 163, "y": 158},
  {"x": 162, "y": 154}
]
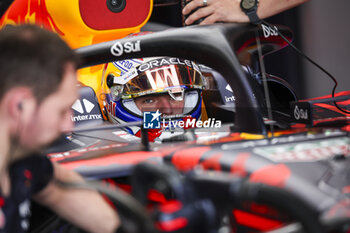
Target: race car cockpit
[{"x": 247, "y": 180}]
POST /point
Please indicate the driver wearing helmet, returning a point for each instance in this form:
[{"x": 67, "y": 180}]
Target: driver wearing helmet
[{"x": 170, "y": 86}]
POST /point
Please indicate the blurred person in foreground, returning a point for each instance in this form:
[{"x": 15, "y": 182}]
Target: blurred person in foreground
[{"x": 38, "y": 86}]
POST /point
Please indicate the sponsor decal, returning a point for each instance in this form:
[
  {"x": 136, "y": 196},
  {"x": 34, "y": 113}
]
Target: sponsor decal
[
  {"x": 126, "y": 77},
  {"x": 268, "y": 31},
  {"x": 300, "y": 113},
  {"x": 165, "y": 62},
  {"x": 78, "y": 107},
  {"x": 228, "y": 87},
  {"x": 86, "y": 117},
  {"x": 131, "y": 68},
  {"x": 229, "y": 98},
  {"x": 305, "y": 151},
  {"x": 119, "y": 49},
  {"x": 126, "y": 65}
]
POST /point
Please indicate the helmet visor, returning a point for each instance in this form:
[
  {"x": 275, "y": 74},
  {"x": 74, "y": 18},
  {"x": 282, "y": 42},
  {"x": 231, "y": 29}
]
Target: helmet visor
[{"x": 170, "y": 75}]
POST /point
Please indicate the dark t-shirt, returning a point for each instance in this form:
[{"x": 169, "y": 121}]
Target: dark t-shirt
[{"x": 28, "y": 176}]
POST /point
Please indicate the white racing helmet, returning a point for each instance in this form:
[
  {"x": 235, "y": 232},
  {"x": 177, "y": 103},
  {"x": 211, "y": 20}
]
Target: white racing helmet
[{"x": 126, "y": 80}]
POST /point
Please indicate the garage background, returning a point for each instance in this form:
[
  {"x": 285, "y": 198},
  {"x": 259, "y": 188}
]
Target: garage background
[{"x": 322, "y": 31}]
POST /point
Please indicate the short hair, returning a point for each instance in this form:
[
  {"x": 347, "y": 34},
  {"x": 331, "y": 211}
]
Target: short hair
[{"x": 33, "y": 57}]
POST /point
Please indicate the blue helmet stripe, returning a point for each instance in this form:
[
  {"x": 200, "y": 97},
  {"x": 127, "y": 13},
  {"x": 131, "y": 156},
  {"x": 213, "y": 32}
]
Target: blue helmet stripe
[{"x": 123, "y": 114}]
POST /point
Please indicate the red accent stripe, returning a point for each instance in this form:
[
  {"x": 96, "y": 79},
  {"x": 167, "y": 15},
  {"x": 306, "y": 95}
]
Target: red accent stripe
[
  {"x": 343, "y": 93},
  {"x": 213, "y": 162},
  {"x": 171, "y": 207},
  {"x": 238, "y": 167},
  {"x": 346, "y": 189},
  {"x": 346, "y": 128},
  {"x": 126, "y": 187},
  {"x": 187, "y": 159},
  {"x": 345, "y": 102},
  {"x": 156, "y": 196},
  {"x": 252, "y": 42},
  {"x": 28, "y": 174},
  {"x": 332, "y": 120},
  {"x": 110, "y": 183},
  {"x": 189, "y": 75},
  {"x": 256, "y": 222},
  {"x": 267, "y": 175},
  {"x": 298, "y": 125},
  {"x": 259, "y": 208},
  {"x": 330, "y": 107},
  {"x": 172, "y": 225}
]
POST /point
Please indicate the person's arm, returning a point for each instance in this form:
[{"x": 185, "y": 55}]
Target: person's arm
[
  {"x": 83, "y": 208},
  {"x": 230, "y": 10}
]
